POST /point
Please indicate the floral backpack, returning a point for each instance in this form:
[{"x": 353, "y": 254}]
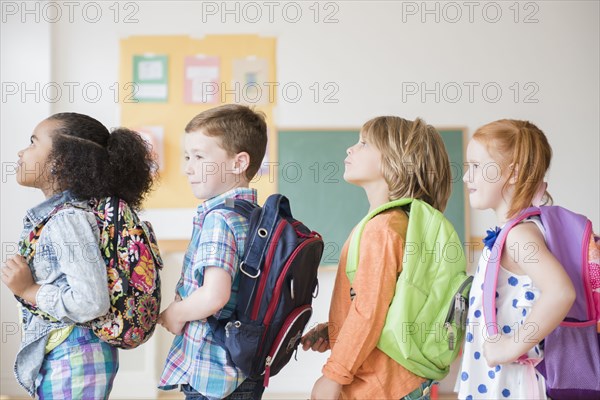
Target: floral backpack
[{"x": 130, "y": 251}]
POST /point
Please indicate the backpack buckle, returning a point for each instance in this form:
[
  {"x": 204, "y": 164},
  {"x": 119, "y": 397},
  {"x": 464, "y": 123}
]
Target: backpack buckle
[{"x": 247, "y": 273}]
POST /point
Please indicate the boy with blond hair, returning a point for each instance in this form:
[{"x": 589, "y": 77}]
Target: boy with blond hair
[{"x": 394, "y": 158}]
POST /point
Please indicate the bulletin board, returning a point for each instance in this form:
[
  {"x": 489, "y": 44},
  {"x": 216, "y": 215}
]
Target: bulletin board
[
  {"x": 164, "y": 81},
  {"x": 311, "y": 173}
]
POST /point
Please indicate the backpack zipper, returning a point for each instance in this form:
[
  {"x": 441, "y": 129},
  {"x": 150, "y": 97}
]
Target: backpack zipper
[
  {"x": 458, "y": 298},
  {"x": 591, "y": 311},
  {"x": 457, "y": 307},
  {"x": 451, "y": 335},
  {"x": 265, "y": 272},
  {"x": 293, "y": 317},
  {"x": 117, "y": 229}
]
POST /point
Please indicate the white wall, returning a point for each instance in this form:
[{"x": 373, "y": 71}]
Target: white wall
[
  {"x": 28, "y": 63},
  {"x": 373, "y": 54}
]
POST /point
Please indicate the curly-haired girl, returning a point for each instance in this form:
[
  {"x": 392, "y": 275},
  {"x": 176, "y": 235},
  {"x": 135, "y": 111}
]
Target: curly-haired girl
[{"x": 72, "y": 158}]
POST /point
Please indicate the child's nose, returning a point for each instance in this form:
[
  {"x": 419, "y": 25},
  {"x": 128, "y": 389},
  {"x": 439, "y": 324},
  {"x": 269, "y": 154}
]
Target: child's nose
[
  {"x": 187, "y": 169},
  {"x": 465, "y": 177}
]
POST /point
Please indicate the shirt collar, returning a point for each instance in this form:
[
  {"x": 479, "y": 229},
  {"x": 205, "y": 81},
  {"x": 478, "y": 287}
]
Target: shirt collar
[
  {"x": 237, "y": 193},
  {"x": 38, "y": 213}
]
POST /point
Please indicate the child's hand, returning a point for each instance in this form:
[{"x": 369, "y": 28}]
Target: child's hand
[
  {"x": 170, "y": 321},
  {"x": 16, "y": 275},
  {"x": 316, "y": 339},
  {"x": 326, "y": 388},
  {"x": 498, "y": 350}
]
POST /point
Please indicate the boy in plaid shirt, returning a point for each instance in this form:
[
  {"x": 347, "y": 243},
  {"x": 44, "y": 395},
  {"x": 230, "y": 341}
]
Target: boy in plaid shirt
[{"x": 224, "y": 148}]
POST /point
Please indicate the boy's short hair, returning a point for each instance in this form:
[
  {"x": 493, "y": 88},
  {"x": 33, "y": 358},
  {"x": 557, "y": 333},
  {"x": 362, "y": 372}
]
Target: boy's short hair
[
  {"x": 240, "y": 129},
  {"x": 414, "y": 160}
]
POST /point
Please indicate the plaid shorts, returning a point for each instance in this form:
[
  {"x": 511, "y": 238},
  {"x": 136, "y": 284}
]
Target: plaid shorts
[{"x": 81, "y": 367}]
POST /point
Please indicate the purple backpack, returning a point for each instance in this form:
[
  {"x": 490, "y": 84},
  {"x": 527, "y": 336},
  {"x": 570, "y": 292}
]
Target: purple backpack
[{"x": 571, "y": 362}]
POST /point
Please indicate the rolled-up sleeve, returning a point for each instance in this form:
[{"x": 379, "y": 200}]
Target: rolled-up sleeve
[{"x": 74, "y": 236}]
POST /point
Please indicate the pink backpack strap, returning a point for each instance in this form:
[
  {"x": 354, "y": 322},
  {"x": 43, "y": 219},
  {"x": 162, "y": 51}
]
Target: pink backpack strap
[{"x": 491, "y": 272}]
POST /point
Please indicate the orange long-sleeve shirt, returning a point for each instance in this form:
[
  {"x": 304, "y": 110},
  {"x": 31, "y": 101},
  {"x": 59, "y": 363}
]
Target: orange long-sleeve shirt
[{"x": 355, "y": 325}]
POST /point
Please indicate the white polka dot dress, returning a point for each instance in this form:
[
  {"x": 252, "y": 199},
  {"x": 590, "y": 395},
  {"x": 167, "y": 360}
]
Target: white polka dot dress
[{"x": 515, "y": 296}]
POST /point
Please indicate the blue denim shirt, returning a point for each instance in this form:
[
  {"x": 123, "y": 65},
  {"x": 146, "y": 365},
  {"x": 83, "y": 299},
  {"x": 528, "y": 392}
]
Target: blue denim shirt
[{"x": 71, "y": 271}]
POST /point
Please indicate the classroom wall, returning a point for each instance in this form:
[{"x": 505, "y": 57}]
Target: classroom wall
[
  {"x": 16, "y": 119},
  {"x": 378, "y": 58}
]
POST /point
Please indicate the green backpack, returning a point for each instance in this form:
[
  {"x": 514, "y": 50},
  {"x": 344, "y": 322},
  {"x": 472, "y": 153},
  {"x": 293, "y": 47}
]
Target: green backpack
[{"x": 426, "y": 320}]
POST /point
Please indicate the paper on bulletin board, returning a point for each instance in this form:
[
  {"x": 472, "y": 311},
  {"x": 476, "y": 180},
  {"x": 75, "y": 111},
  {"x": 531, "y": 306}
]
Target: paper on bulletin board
[
  {"x": 250, "y": 74},
  {"x": 201, "y": 74},
  {"x": 154, "y": 136},
  {"x": 173, "y": 190},
  {"x": 150, "y": 78}
]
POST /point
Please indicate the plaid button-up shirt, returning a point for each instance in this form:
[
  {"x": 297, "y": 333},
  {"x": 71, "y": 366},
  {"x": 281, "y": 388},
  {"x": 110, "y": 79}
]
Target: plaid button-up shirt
[{"x": 217, "y": 241}]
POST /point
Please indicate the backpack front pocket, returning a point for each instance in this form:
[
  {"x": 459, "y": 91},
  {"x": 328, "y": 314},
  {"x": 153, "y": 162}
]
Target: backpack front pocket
[
  {"x": 242, "y": 341},
  {"x": 286, "y": 341}
]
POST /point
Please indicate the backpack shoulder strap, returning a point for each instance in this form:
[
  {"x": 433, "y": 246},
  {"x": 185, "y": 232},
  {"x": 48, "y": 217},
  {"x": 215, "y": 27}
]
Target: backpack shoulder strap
[
  {"x": 353, "y": 249},
  {"x": 27, "y": 245},
  {"x": 240, "y": 206},
  {"x": 490, "y": 280},
  {"x": 263, "y": 227},
  {"x": 245, "y": 209},
  {"x": 27, "y": 250}
]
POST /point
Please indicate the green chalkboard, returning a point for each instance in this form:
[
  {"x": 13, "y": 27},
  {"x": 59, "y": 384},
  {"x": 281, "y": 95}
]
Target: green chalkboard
[{"x": 311, "y": 169}]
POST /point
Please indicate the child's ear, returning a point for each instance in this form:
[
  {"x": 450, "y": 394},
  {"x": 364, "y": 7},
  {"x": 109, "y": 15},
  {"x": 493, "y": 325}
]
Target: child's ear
[
  {"x": 514, "y": 173},
  {"x": 241, "y": 162}
]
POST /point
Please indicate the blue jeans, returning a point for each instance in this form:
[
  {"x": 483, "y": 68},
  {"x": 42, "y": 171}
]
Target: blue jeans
[
  {"x": 420, "y": 393},
  {"x": 250, "y": 389}
]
